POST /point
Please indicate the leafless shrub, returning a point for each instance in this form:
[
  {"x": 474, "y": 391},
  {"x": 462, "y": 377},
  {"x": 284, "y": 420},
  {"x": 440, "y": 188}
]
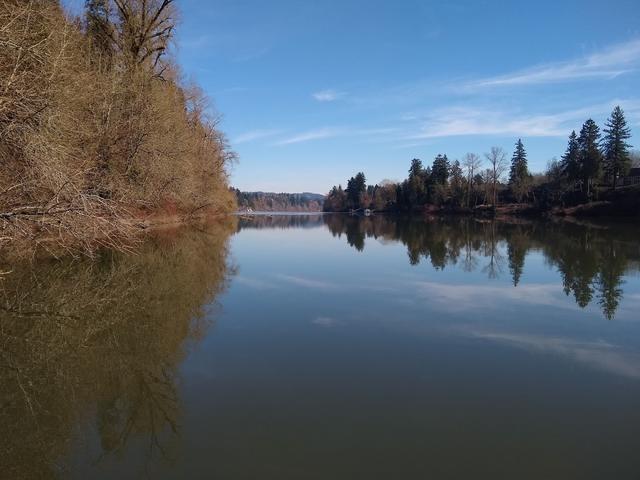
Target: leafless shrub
[{"x": 91, "y": 141}]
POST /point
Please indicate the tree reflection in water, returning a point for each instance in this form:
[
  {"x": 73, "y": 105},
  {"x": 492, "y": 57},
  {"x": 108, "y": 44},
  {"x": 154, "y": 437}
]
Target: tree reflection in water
[
  {"x": 101, "y": 342},
  {"x": 592, "y": 259}
]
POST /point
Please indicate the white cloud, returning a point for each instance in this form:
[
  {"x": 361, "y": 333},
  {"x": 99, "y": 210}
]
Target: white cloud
[
  {"x": 254, "y": 283},
  {"x": 607, "y": 64},
  {"x": 341, "y": 288},
  {"x": 332, "y": 132},
  {"x": 255, "y": 135},
  {"x": 458, "y": 121},
  {"x": 306, "y": 282},
  {"x": 197, "y": 42},
  {"x": 328, "y": 95},
  {"x": 598, "y": 354},
  {"x": 457, "y": 297},
  {"x": 325, "y": 322},
  {"x": 315, "y": 134}
]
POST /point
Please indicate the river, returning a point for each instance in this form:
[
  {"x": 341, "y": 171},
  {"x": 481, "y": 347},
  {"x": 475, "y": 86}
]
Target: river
[{"x": 329, "y": 347}]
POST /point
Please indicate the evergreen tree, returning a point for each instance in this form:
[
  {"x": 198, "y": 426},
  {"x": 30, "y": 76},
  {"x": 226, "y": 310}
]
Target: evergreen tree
[
  {"x": 356, "y": 187},
  {"x": 457, "y": 183},
  {"x": 589, "y": 155},
  {"x": 570, "y": 163},
  {"x": 617, "y": 161},
  {"x": 416, "y": 169},
  {"x": 415, "y": 193},
  {"x": 440, "y": 170},
  {"x": 519, "y": 176}
]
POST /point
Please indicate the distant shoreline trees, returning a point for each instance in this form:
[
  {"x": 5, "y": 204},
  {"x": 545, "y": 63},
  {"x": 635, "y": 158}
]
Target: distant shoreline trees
[
  {"x": 591, "y": 164},
  {"x": 279, "y": 202}
]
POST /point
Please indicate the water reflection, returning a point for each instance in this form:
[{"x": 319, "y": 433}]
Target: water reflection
[
  {"x": 442, "y": 343},
  {"x": 98, "y": 343},
  {"x": 281, "y": 221},
  {"x": 591, "y": 259}
]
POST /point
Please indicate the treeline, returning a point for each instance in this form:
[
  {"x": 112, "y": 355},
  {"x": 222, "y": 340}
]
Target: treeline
[
  {"x": 592, "y": 164},
  {"x": 279, "y": 202},
  {"x": 97, "y": 125}
]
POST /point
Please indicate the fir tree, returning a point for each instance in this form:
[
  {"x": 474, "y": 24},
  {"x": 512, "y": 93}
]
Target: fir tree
[
  {"x": 356, "y": 187},
  {"x": 457, "y": 182},
  {"x": 570, "y": 163},
  {"x": 415, "y": 193},
  {"x": 589, "y": 156},
  {"x": 617, "y": 161},
  {"x": 519, "y": 176},
  {"x": 416, "y": 170},
  {"x": 440, "y": 170}
]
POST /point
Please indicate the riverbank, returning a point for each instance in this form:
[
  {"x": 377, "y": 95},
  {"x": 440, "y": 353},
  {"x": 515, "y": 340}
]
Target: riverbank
[
  {"x": 100, "y": 141},
  {"x": 36, "y": 235},
  {"x": 620, "y": 203}
]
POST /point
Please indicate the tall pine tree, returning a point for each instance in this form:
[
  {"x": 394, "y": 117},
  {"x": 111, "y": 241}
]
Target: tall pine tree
[
  {"x": 416, "y": 185},
  {"x": 615, "y": 149},
  {"x": 456, "y": 183},
  {"x": 356, "y": 187},
  {"x": 519, "y": 176},
  {"x": 570, "y": 163},
  {"x": 589, "y": 155},
  {"x": 440, "y": 170}
]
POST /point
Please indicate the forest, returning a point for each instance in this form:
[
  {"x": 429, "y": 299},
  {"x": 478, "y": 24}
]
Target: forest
[
  {"x": 279, "y": 202},
  {"x": 597, "y": 169},
  {"x": 100, "y": 131}
]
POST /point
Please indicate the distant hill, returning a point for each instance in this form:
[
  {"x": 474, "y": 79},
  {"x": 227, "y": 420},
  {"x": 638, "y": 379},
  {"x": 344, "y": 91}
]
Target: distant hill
[{"x": 279, "y": 202}]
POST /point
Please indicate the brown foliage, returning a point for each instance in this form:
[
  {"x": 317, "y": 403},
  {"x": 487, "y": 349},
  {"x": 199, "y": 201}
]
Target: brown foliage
[{"x": 88, "y": 138}]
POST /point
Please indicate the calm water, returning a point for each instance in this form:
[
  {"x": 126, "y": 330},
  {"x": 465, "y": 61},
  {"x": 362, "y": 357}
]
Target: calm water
[{"x": 310, "y": 347}]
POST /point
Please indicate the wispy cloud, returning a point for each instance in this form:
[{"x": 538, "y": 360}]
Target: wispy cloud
[
  {"x": 343, "y": 288},
  {"x": 459, "y": 121},
  {"x": 329, "y": 95},
  {"x": 254, "y": 283},
  {"x": 467, "y": 297},
  {"x": 254, "y": 135},
  {"x": 307, "y": 282},
  {"x": 596, "y": 354},
  {"x": 196, "y": 42},
  {"x": 325, "y": 322},
  {"x": 234, "y": 45},
  {"x": 314, "y": 134},
  {"x": 333, "y": 132},
  {"x": 608, "y": 63}
]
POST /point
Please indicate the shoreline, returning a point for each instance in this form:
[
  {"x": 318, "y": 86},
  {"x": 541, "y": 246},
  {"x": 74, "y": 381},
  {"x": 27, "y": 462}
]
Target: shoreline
[{"x": 599, "y": 209}]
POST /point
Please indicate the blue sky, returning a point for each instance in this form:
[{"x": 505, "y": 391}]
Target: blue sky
[{"x": 310, "y": 92}]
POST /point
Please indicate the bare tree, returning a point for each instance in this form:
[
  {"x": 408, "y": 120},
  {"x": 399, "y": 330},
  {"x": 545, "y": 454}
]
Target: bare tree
[
  {"x": 145, "y": 28},
  {"x": 498, "y": 161},
  {"x": 88, "y": 142},
  {"x": 471, "y": 164}
]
